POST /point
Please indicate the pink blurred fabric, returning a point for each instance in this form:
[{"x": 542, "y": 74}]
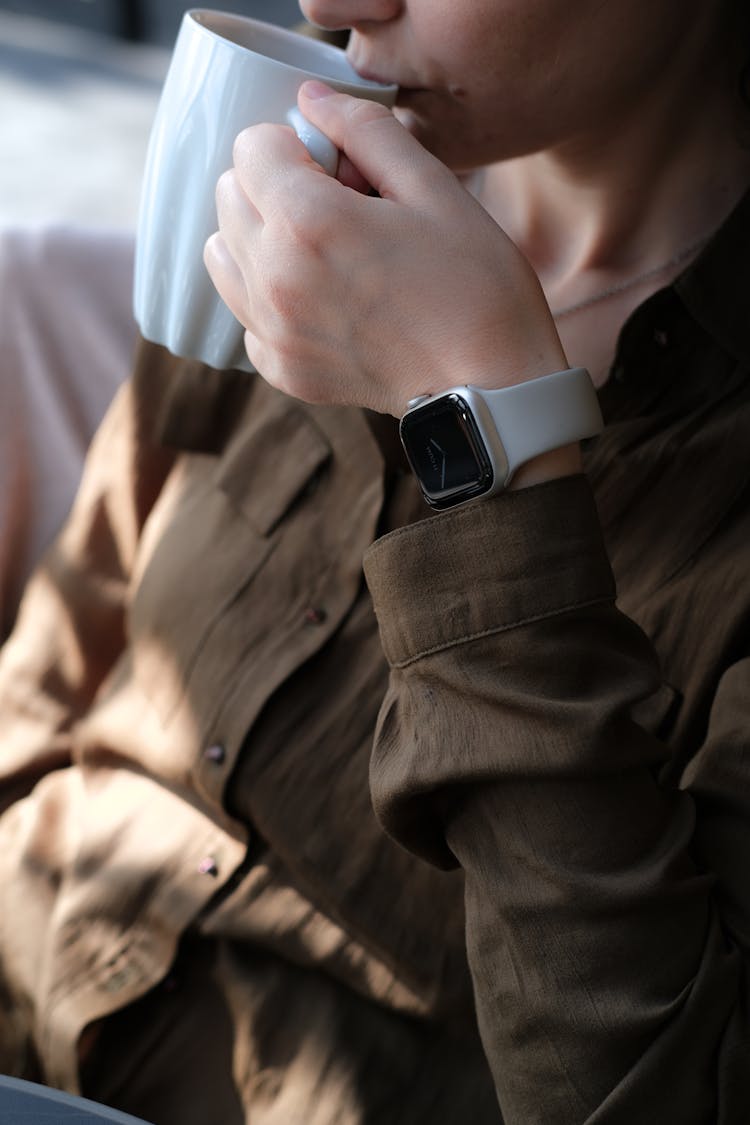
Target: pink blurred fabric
[{"x": 66, "y": 340}]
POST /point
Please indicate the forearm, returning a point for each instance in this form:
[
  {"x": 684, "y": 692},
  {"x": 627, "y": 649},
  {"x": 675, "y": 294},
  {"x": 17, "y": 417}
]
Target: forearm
[
  {"x": 603, "y": 979},
  {"x": 508, "y": 744}
]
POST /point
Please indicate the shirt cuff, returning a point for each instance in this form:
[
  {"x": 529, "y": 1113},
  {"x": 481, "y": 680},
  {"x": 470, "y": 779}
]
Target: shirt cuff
[{"x": 488, "y": 566}]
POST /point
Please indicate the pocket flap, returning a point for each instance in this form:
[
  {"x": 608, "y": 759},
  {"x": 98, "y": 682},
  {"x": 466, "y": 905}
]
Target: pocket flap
[{"x": 280, "y": 453}]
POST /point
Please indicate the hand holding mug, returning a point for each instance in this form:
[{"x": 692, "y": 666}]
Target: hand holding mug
[
  {"x": 226, "y": 72},
  {"x": 370, "y": 300}
]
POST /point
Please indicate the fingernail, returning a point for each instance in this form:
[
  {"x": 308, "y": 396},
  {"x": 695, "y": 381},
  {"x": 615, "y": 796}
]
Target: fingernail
[{"x": 313, "y": 90}]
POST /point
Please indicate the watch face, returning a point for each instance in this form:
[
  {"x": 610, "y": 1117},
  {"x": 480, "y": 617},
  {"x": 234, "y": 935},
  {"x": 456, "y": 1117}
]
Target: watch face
[{"x": 446, "y": 451}]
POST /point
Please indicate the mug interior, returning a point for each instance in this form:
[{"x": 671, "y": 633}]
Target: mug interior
[{"x": 289, "y": 48}]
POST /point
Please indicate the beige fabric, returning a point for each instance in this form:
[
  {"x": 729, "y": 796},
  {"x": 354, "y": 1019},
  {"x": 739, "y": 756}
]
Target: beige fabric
[
  {"x": 66, "y": 343},
  {"x": 269, "y": 478}
]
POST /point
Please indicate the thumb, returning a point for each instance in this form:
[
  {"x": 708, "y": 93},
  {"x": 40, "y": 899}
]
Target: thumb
[{"x": 378, "y": 146}]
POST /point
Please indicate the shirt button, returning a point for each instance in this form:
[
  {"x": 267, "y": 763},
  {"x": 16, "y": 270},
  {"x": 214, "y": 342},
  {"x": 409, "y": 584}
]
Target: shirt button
[
  {"x": 208, "y": 866},
  {"x": 215, "y": 753},
  {"x": 661, "y": 338},
  {"x": 315, "y": 615}
]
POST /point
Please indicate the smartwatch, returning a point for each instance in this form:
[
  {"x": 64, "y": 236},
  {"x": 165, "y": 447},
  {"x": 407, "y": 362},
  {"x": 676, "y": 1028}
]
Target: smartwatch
[{"x": 467, "y": 442}]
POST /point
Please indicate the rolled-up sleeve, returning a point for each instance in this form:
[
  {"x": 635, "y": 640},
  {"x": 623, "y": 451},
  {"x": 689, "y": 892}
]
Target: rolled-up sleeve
[{"x": 609, "y": 983}]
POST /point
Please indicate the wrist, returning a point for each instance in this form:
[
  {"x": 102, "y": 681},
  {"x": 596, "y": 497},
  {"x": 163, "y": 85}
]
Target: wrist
[
  {"x": 508, "y": 371},
  {"x": 564, "y": 462},
  {"x": 469, "y": 442}
]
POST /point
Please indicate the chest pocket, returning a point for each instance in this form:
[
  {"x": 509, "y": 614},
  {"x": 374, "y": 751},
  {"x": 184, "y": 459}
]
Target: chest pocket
[{"x": 218, "y": 523}]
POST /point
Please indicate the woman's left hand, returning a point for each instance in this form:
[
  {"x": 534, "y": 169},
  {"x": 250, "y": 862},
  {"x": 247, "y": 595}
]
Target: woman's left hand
[{"x": 351, "y": 298}]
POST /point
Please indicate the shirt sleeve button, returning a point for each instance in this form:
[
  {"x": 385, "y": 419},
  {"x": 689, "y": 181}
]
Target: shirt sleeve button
[
  {"x": 315, "y": 615},
  {"x": 208, "y": 866}
]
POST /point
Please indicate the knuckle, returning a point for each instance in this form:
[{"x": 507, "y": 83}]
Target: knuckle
[
  {"x": 253, "y": 140},
  {"x": 307, "y": 231},
  {"x": 303, "y": 386},
  {"x": 279, "y": 371},
  {"x": 246, "y": 147},
  {"x": 225, "y": 186},
  {"x": 242, "y": 142},
  {"x": 245, "y": 144},
  {"x": 211, "y": 250},
  {"x": 282, "y": 297},
  {"x": 363, "y": 112},
  {"x": 302, "y": 229}
]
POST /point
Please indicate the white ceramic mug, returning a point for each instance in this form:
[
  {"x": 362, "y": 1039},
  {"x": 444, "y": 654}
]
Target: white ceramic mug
[{"x": 227, "y": 72}]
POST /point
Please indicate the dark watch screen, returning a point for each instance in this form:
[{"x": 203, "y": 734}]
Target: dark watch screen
[{"x": 446, "y": 451}]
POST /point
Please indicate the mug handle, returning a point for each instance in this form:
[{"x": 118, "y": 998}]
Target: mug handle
[{"x": 321, "y": 149}]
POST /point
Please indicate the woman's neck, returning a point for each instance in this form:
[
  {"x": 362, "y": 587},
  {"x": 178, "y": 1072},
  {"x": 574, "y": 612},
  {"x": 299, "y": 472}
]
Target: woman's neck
[
  {"x": 599, "y": 210},
  {"x": 605, "y": 220}
]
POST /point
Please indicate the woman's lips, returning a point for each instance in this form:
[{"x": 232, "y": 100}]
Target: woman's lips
[
  {"x": 404, "y": 92},
  {"x": 373, "y": 75}
]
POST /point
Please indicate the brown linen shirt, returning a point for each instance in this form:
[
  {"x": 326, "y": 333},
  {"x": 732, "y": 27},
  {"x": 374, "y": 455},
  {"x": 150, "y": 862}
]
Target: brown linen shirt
[{"x": 187, "y": 707}]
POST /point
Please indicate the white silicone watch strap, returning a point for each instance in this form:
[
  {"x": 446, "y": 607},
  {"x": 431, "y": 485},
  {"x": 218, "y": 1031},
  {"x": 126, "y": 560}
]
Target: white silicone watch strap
[{"x": 544, "y": 413}]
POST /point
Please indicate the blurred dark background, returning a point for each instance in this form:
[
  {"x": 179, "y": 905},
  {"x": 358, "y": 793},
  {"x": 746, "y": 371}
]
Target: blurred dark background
[{"x": 143, "y": 21}]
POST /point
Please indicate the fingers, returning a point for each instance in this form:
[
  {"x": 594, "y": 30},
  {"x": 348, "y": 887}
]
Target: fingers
[
  {"x": 267, "y": 160},
  {"x": 254, "y": 351},
  {"x": 237, "y": 215},
  {"x": 226, "y": 276},
  {"x": 262, "y": 180},
  {"x": 385, "y": 154},
  {"x": 239, "y": 224},
  {"x": 351, "y": 177}
]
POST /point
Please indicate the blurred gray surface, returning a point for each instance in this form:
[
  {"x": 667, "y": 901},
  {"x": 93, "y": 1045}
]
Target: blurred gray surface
[
  {"x": 150, "y": 21},
  {"x": 76, "y": 107},
  {"x": 160, "y": 19}
]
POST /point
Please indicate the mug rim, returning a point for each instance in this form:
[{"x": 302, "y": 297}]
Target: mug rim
[{"x": 287, "y": 35}]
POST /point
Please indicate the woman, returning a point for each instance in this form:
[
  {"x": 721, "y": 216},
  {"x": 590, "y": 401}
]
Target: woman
[
  {"x": 200, "y": 918},
  {"x": 611, "y": 150},
  {"x": 590, "y": 776}
]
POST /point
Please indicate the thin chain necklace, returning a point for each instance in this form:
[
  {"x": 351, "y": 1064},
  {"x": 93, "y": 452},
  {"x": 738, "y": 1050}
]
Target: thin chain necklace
[{"x": 614, "y": 290}]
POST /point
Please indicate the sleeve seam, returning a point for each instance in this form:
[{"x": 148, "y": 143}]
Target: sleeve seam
[{"x": 466, "y": 638}]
